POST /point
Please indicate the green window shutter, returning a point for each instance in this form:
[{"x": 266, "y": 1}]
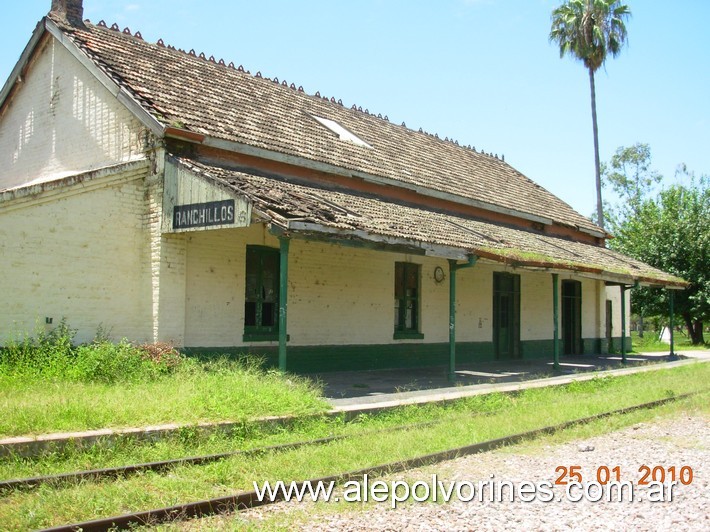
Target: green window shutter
[
  {"x": 407, "y": 282},
  {"x": 261, "y": 297}
]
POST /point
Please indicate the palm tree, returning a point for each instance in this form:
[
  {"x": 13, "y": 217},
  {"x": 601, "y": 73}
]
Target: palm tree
[{"x": 590, "y": 30}]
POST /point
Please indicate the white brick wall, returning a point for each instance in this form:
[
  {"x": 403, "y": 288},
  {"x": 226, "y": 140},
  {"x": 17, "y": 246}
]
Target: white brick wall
[
  {"x": 62, "y": 121},
  {"x": 536, "y": 306},
  {"x": 614, "y": 294},
  {"x": 77, "y": 252},
  {"x": 344, "y": 295},
  {"x": 189, "y": 288},
  {"x": 337, "y": 295},
  {"x": 214, "y": 308},
  {"x": 165, "y": 266},
  {"x": 474, "y": 298}
]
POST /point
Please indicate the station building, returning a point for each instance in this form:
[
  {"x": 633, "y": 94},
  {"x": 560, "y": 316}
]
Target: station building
[{"x": 167, "y": 196}]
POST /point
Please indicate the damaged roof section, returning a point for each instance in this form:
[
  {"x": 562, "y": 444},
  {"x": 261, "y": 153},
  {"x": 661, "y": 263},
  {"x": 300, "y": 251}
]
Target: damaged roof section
[
  {"x": 310, "y": 211},
  {"x": 208, "y": 101}
]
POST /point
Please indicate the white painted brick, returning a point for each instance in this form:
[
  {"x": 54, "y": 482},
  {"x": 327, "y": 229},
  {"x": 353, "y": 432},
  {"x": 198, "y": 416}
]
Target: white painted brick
[
  {"x": 62, "y": 121},
  {"x": 613, "y": 293},
  {"x": 344, "y": 295},
  {"x": 79, "y": 255}
]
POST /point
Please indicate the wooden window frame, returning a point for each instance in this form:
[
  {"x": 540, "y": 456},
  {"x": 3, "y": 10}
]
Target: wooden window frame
[
  {"x": 261, "y": 333},
  {"x": 401, "y": 332}
]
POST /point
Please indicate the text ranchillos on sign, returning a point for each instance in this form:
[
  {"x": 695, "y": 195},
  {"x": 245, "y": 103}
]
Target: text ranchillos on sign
[{"x": 203, "y": 214}]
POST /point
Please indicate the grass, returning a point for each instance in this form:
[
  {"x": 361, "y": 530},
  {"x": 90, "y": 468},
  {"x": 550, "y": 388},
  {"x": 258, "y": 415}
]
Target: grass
[
  {"x": 218, "y": 391},
  {"x": 461, "y": 423},
  {"x": 651, "y": 343},
  {"x": 49, "y": 384}
]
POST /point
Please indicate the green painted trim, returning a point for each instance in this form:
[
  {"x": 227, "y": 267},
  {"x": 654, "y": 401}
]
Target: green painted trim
[
  {"x": 324, "y": 358},
  {"x": 672, "y": 316},
  {"x": 615, "y": 347},
  {"x": 556, "y": 319},
  {"x": 312, "y": 359},
  {"x": 594, "y": 346},
  {"x": 283, "y": 299},
  {"x": 537, "y": 349},
  {"x": 407, "y": 335},
  {"x": 262, "y": 337}
]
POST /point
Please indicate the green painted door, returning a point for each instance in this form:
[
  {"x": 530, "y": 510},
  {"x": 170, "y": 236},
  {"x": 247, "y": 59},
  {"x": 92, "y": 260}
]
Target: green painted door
[
  {"x": 506, "y": 315},
  {"x": 571, "y": 317}
]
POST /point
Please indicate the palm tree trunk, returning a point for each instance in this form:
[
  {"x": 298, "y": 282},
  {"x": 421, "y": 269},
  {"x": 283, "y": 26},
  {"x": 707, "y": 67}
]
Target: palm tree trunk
[{"x": 600, "y": 210}]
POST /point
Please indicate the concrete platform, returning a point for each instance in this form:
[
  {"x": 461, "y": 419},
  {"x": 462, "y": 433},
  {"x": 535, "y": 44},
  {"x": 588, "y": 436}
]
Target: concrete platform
[
  {"x": 354, "y": 392},
  {"x": 349, "y": 389}
]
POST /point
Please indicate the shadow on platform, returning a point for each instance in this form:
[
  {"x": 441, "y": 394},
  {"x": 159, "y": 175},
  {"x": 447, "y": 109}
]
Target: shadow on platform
[{"x": 368, "y": 384}]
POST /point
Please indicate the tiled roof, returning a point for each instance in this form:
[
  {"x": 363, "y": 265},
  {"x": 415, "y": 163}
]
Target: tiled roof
[
  {"x": 205, "y": 96},
  {"x": 349, "y": 214}
]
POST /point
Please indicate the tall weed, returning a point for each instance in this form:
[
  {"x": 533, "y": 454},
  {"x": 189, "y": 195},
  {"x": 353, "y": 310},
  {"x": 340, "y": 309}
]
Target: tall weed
[
  {"x": 53, "y": 355},
  {"x": 47, "y": 354}
]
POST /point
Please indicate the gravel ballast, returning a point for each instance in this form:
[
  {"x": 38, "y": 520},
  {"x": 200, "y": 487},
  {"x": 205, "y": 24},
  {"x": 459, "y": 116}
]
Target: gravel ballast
[{"x": 677, "y": 442}]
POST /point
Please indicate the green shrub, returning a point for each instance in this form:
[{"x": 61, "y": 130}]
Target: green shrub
[
  {"x": 47, "y": 354},
  {"x": 108, "y": 363},
  {"x": 53, "y": 355}
]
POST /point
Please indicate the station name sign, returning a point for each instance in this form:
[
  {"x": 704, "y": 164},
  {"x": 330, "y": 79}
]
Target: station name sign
[{"x": 203, "y": 214}]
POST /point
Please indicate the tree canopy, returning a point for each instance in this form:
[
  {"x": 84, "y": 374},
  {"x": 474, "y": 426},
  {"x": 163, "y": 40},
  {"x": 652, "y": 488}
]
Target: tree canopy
[
  {"x": 590, "y": 30},
  {"x": 669, "y": 230},
  {"x": 630, "y": 176}
]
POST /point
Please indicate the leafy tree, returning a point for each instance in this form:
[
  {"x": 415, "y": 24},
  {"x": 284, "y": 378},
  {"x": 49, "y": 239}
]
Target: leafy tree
[
  {"x": 590, "y": 30},
  {"x": 672, "y": 233},
  {"x": 630, "y": 176}
]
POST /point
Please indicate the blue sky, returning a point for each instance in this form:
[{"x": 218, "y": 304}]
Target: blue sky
[{"x": 478, "y": 71}]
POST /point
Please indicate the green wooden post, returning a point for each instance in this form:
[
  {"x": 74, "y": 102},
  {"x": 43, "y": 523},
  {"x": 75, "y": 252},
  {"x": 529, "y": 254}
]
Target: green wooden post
[
  {"x": 453, "y": 267},
  {"x": 452, "y": 320},
  {"x": 283, "y": 300},
  {"x": 556, "y": 318},
  {"x": 623, "y": 323},
  {"x": 672, "y": 325}
]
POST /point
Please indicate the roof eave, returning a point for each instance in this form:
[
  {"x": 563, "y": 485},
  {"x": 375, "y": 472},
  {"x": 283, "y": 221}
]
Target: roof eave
[
  {"x": 397, "y": 243},
  {"x": 451, "y": 252},
  {"x": 21, "y": 65}
]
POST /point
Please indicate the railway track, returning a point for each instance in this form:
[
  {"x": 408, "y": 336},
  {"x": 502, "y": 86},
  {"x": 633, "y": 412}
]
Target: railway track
[
  {"x": 124, "y": 471},
  {"x": 246, "y": 500}
]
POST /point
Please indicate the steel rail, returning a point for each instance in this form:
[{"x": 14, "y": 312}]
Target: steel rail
[
  {"x": 112, "y": 472},
  {"x": 246, "y": 500},
  {"x": 122, "y": 471}
]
